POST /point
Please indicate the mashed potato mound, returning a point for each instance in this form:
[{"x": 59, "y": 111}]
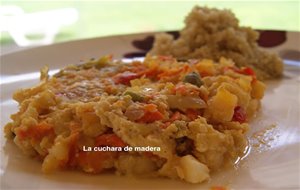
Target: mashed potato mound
[{"x": 212, "y": 33}]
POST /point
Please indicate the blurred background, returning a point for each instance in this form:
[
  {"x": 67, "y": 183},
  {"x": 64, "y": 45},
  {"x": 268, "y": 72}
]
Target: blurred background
[{"x": 26, "y": 23}]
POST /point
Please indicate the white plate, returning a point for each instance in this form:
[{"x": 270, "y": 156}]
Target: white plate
[{"x": 269, "y": 166}]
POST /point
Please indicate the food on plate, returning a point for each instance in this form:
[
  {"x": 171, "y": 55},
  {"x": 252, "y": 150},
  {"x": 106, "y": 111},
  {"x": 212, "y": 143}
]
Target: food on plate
[
  {"x": 187, "y": 118},
  {"x": 212, "y": 33}
]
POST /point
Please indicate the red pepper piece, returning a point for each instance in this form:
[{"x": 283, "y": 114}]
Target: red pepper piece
[
  {"x": 109, "y": 140},
  {"x": 125, "y": 77},
  {"x": 239, "y": 115}
]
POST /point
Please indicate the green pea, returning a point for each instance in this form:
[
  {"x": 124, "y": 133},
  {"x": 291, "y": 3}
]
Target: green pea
[{"x": 193, "y": 78}]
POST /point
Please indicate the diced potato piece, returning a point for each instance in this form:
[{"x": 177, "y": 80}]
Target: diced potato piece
[
  {"x": 191, "y": 170},
  {"x": 245, "y": 83},
  {"x": 206, "y": 67},
  {"x": 243, "y": 96},
  {"x": 258, "y": 89},
  {"x": 221, "y": 106}
]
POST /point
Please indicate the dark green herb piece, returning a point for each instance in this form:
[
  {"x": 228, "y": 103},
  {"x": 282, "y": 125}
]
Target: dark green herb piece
[{"x": 134, "y": 96}]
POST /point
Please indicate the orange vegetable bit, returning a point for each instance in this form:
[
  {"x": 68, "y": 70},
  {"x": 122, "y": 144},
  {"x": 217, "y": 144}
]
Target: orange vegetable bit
[
  {"x": 218, "y": 188},
  {"x": 36, "y": 132},
  {"x": 109, "y": 140},
  {"x": 172, "y": 72},
  {"x": 175, "y": 116},
  {"x": 167, "y": 73},
  {"x": 192, "y": 114},
  {"x": 150, "y": 117},
  {"x": 151, "y": 114},
  {"x": 73, "y": 149},
  {"x": 150, "y": 107},
  {"x": 151, "y": 73},
  {"x": 137, "y": 67},
  {"x": 180, "y": 89}
]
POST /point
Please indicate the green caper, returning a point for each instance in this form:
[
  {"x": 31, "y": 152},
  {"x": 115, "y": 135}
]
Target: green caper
[
  {"x": 134, "y": 96},
  {"x": 193, "y": 78}
]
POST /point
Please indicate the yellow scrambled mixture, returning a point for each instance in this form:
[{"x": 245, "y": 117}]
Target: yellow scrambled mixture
[{"x": 195, "y": 111}]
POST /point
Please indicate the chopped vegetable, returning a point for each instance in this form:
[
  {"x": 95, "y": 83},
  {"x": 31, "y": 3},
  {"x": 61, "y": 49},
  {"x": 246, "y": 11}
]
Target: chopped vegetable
[
  {"x": 192, "y": 114},
  {"x": 171, "y": 72},
  {"x": 193, "y": 78},
  {"x": 258, "y": 89},
  {"x": 125, "y": 77},
  {"x": 152, "y": 73},
  {"x": 221, "y": 106},
  {"x": 218, "y": 188},
  {"x": 175, "y": 116},
  {"x": 150, "y": 107},
  {"x": 109, "y": 140},
  {"x": 36, "y": 132},
  {"x": 151, "y": 114},
  {"x": 239, "y": 115},
  {"x": 244, "y": 70},
  {"x": 73, "y": 149},
  {"x": 134, "y": 96},
  {"x": 150, "y": 117},
  {"x": 206, "y": 67},
  {"x": 247, "y": 71},
  {"x": 181, "y": 89},
  {"x": 185, "y": 102}
]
